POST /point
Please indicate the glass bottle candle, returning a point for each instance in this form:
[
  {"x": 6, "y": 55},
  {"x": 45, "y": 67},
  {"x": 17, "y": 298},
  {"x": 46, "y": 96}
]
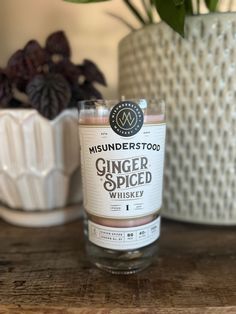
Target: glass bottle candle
[{"x": 122, "y": 158}]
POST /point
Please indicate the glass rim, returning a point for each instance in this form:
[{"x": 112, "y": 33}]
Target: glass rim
[
  {"x": 103, "y": 107},
  {"x": 113, "y": 100},
  {"x": 143, "y": 103}
]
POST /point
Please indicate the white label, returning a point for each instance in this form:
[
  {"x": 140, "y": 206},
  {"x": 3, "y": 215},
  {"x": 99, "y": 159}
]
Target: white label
[
  {"x": 124, "y": 238},
  {"x": 122, "y": 176}
]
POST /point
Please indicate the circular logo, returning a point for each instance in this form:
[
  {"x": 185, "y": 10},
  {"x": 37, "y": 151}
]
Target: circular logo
[{"x": 126, "y": 118}]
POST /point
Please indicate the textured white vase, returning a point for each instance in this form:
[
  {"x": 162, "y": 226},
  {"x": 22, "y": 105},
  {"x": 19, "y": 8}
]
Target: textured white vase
[
  {"x": 40, "y": 183},
  {"x": 197, "y": 78}
]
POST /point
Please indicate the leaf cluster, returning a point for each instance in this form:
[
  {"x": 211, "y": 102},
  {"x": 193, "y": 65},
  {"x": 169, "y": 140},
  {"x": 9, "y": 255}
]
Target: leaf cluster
[{"x": 46, "y": 79}]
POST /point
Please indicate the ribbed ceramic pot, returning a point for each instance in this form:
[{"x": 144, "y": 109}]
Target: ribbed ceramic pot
[
  {"x": 40, "y": 183},
  {"x": 197, "y": 78}
]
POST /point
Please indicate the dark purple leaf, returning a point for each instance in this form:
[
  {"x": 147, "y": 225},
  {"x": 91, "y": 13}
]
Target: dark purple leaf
[
  {"x": 5, "y": 90},
  {"x": 57, "y": 44},
  {"x": 16, "y": 67},
  {"x": 77, "y": 94},
  {"x": 90, "y": 92},
  {"x": 92, "y": 73},
  {"x": 34, "y": 57},
  {"x": 49, "y": 94},
  {"x": 20, "y": 84},
  {"x": 67, "y": 69},
  {"x": 26, "y": 63},
  {"x": 15, "y": 103}
]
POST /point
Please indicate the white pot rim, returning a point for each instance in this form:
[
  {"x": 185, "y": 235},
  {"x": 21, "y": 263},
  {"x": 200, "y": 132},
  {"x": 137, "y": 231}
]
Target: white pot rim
[
  {"x": 25, "y": 113},
  {"x": 39, "y": 219},
  {"x": 210, "y": 15}
]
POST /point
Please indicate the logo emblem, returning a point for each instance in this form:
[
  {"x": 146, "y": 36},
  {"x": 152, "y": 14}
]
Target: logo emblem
[{"x": 126, "y": 118}]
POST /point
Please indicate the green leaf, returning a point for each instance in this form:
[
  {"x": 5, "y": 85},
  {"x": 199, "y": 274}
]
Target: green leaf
[
  {"x": 211, "y": 5},
  {"x": 172, "y": 14},
  {"x": 147, "y": 6},
  {"x": 135, "y": 11},
  {"x": 85, "y": 1}
]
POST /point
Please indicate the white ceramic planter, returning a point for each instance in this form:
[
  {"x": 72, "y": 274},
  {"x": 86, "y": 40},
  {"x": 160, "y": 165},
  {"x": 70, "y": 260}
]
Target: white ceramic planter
[
  {"x": 40, "y": 182},
  {"x": 197, "y": 78}
]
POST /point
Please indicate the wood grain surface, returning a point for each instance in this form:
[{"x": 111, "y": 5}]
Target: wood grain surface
[{"x": 46, "y": 271}]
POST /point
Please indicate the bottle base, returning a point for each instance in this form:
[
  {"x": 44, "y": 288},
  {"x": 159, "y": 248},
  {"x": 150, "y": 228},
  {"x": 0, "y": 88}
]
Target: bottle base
[
  {"x": 120, "y": 271},
  {"x": 121, "y": 262}
]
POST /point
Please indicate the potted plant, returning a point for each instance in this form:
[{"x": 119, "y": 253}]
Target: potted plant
[
  {"x": 39, "y": 156},
  {"x": 190, "y": 64}
]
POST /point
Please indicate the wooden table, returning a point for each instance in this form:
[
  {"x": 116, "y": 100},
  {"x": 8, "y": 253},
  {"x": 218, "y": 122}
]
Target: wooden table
[{"x": 46, "y": 271}]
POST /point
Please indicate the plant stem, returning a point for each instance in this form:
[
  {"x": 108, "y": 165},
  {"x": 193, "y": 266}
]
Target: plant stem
[
  {"x": 122, "y": 20},
  {"x": 135, "y": 11},
  {"x": 198, "y": 6},
  {"x": 189, "y": 7},
  {"x": 148, "y": 9}
]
